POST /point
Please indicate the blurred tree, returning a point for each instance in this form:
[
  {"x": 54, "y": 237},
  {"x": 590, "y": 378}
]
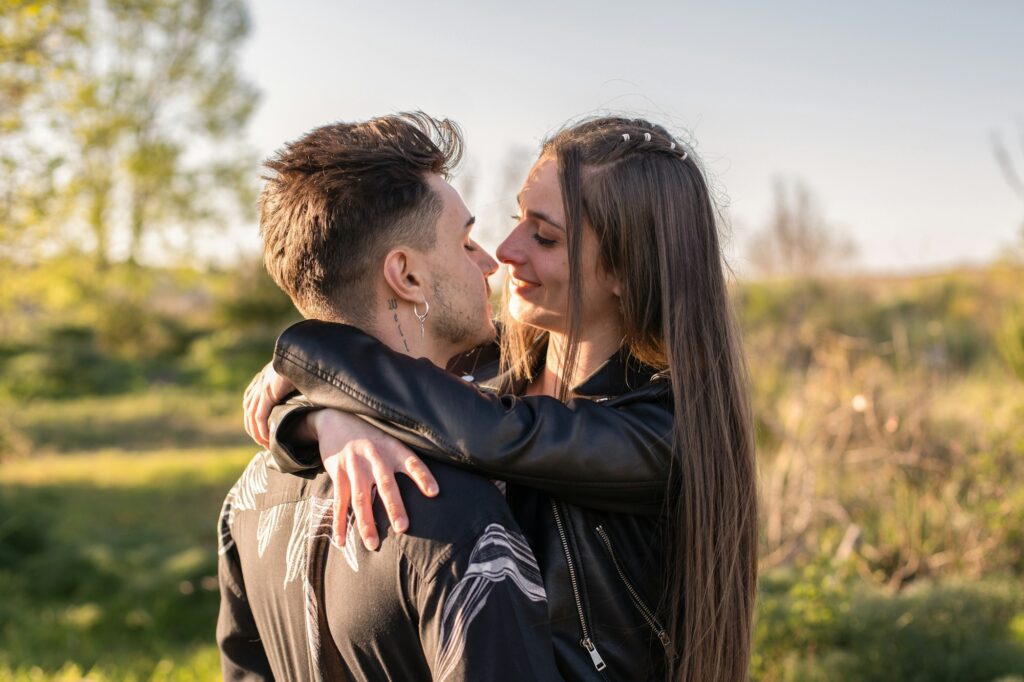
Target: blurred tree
[
  {"x": 141, "y": 108},
  {"x": 798, "y": 241},
  {"x": 37, "y": 44},
  {"x": 1013, "y": 177},
  {"x": 1005, "y": 159}
]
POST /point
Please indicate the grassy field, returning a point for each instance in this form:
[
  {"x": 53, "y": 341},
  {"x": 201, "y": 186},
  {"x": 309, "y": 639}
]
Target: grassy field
[
  {"x": 890, "y": 426},
  {"x": 107, "y": 550},
  {"x": 107, "y": 566}
]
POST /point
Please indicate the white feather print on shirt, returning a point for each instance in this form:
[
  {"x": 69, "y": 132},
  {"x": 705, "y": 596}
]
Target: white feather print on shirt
[
  {"x": 269, "y": 521},
  {"x": 499, "y": 554},
  {"x": 241, "y": 497}
]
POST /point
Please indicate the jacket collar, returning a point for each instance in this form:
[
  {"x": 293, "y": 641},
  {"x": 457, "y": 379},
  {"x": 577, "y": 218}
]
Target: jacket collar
[{"x": 619, "y": 374}]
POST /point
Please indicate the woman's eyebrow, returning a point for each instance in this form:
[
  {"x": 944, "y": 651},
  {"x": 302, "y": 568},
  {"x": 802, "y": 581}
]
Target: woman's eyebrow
[{"x": 538, "y": 215}]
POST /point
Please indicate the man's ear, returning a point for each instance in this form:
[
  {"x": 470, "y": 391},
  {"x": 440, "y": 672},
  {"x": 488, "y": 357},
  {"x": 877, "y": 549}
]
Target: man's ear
[{"x": 403, "y": 272}]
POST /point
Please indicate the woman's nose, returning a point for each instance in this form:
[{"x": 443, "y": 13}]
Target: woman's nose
[{"x": 510, "y": 251}]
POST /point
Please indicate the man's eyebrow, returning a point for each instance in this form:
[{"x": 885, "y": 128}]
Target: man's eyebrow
[{"x": 537, "y": 215}]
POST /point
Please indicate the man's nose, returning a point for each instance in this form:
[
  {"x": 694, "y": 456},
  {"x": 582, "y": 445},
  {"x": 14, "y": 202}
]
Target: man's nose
[{"x": 489, "y": 265}]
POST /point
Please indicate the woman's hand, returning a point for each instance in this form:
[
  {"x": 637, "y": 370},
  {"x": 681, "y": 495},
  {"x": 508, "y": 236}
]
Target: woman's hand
[
  {"x": 267, "y": 389},
  {"x": 358, "y": 456}
]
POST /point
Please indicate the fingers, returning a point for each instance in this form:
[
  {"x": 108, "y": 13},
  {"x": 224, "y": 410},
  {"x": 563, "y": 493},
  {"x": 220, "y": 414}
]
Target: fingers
[
  {"x": 360, "y": 465},
  {"x": 257, "y": 404},
  {"x": 414, "y": 468},
  {"x": 278, "y": 386},
  {"x": 360, "y": 478},
  {"x": 387, "y": 488},
  {"x": 341, "y": 501},
  {"x": 261, "y": 417}
]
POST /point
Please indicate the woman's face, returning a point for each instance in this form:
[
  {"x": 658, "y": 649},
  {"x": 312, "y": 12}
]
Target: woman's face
[{"x": 538, "y": 260}]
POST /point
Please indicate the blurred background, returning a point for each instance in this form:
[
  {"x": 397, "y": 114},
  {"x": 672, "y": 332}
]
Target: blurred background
[{"x": 869, "y": 165}]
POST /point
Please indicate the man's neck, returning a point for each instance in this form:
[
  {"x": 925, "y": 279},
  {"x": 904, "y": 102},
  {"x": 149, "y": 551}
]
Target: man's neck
[{"x": 400, "y": 331}]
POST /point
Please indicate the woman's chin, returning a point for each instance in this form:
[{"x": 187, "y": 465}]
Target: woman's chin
[
  {"x": 521, "y": 311},
  {"x": 531, "y": 316}
]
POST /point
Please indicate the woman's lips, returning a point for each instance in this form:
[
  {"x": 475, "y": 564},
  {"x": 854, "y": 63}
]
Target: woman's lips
[
  {"x": 519, "y": 282},
  {"x": 521, "y": 287}
]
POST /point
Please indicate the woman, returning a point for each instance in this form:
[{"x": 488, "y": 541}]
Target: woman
[{"x": 629, "y": 451}]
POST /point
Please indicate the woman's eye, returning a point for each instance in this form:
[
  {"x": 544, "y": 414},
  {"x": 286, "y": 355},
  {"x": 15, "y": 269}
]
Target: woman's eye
[
  {"x": 516, "y": 217},
  {"x": 470, "y": 246},
  {"x": 543, "y": 242}
]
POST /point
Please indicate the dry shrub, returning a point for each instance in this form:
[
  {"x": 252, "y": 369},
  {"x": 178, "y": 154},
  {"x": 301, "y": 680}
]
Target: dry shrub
[{"x": 904, "y": 474}]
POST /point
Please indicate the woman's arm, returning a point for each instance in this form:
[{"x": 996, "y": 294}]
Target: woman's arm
[{"x": 612, "y": 456}]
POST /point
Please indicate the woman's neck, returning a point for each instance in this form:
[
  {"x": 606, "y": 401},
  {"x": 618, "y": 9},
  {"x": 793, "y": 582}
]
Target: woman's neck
[{"x": 594, "y": 350}]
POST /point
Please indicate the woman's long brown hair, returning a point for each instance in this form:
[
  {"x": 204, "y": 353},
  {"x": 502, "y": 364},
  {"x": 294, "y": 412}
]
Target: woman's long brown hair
[{"x": 648, "y": 202}]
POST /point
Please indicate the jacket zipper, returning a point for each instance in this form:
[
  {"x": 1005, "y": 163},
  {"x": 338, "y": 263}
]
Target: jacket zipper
[
  {"x": 648, "y": 615},
  {"x": 587, "y": 643}
]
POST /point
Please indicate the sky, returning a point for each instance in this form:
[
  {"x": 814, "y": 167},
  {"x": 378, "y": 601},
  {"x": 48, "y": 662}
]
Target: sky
[{"x": 885, "y": 110}]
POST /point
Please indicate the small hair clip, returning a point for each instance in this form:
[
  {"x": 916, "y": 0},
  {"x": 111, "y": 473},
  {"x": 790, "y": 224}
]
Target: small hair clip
[
  {"x": 625, "y": 137},
  {"x": 672, "y": 146},
  {"x": 647, "y": 137},
  {"x": 685, "y": 154}
]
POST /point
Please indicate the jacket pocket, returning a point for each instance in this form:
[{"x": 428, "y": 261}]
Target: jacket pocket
[{"x": 646, "y": 612}]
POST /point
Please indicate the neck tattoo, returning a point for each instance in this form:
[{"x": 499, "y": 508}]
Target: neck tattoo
[{"x": 393, "y": 307}]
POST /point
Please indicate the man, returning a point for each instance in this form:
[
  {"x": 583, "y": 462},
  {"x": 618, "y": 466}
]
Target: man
[{"x": 359, "y": 226}]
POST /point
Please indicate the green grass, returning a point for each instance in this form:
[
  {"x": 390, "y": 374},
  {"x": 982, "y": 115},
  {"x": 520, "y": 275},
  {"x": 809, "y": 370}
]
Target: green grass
[
  {"x": 161, "y": 417},
  {"x": 108, "y": 563},
  {"x": 823, "y": 624},
  {"x": 893, "y": 532}
]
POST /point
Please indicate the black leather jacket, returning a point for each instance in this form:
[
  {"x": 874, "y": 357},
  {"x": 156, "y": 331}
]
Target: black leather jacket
[{"x": 586, "y": 479}]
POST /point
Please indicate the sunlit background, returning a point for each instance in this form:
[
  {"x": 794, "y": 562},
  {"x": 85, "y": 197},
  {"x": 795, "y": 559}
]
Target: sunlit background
[{"x": 868, "y": 159}]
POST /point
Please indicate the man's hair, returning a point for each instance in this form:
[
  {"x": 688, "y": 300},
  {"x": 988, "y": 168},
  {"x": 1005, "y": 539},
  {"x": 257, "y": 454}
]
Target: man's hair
[{"x": 340, "y": 197}]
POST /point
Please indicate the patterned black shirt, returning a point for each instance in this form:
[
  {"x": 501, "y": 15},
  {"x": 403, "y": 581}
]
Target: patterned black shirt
[{"x": 458, "y": 596}]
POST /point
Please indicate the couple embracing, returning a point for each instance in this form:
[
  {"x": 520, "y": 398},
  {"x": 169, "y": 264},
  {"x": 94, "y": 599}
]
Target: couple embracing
[{"x": 577, "y": 498}]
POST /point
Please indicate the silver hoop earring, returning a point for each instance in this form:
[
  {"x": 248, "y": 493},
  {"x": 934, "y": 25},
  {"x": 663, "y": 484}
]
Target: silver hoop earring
[{"x": 422, "y": 318}]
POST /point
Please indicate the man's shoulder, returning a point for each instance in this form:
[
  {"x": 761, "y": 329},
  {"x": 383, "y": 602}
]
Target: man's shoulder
[
  {"x": 445, "y": 526},
  {"x": 262, "y": 485}
]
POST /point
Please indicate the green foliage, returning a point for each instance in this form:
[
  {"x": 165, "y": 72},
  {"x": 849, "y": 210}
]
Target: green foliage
[
  {"x": 819, "y": 625},
  {"x": 1011, "y": 340},
  {"x": 37, "y": 43},
  {"x": 96, "y": 580},
  {"x": 159, "y": 418},
  {"x": 230, "y": 359},
  {"x": 890, "y": 428},
  {"x": 75, "y": 330},
  {"x": 68, "y": 364},
  {"x": 249, "y": 313},
  {"x": 945, "y": 323},
  {"x": 145, "y": 102}
]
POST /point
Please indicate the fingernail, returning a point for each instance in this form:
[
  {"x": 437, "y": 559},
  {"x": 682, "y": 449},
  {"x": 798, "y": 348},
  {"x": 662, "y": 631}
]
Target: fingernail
[
  {"x": 432, "y": 489},
  {"x": 400, "y": 525},
  {"x": 371, "y": 544},
  {"x": 339, "y": 541}
]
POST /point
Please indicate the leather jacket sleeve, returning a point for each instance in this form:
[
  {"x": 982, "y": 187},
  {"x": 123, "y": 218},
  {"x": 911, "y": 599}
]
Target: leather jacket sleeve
[
  {"x": 288, "y": 455},
  {"x": 614, "y": 455}
]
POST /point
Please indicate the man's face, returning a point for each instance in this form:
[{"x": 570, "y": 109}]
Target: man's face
[{"x": 460, "y": 309}]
